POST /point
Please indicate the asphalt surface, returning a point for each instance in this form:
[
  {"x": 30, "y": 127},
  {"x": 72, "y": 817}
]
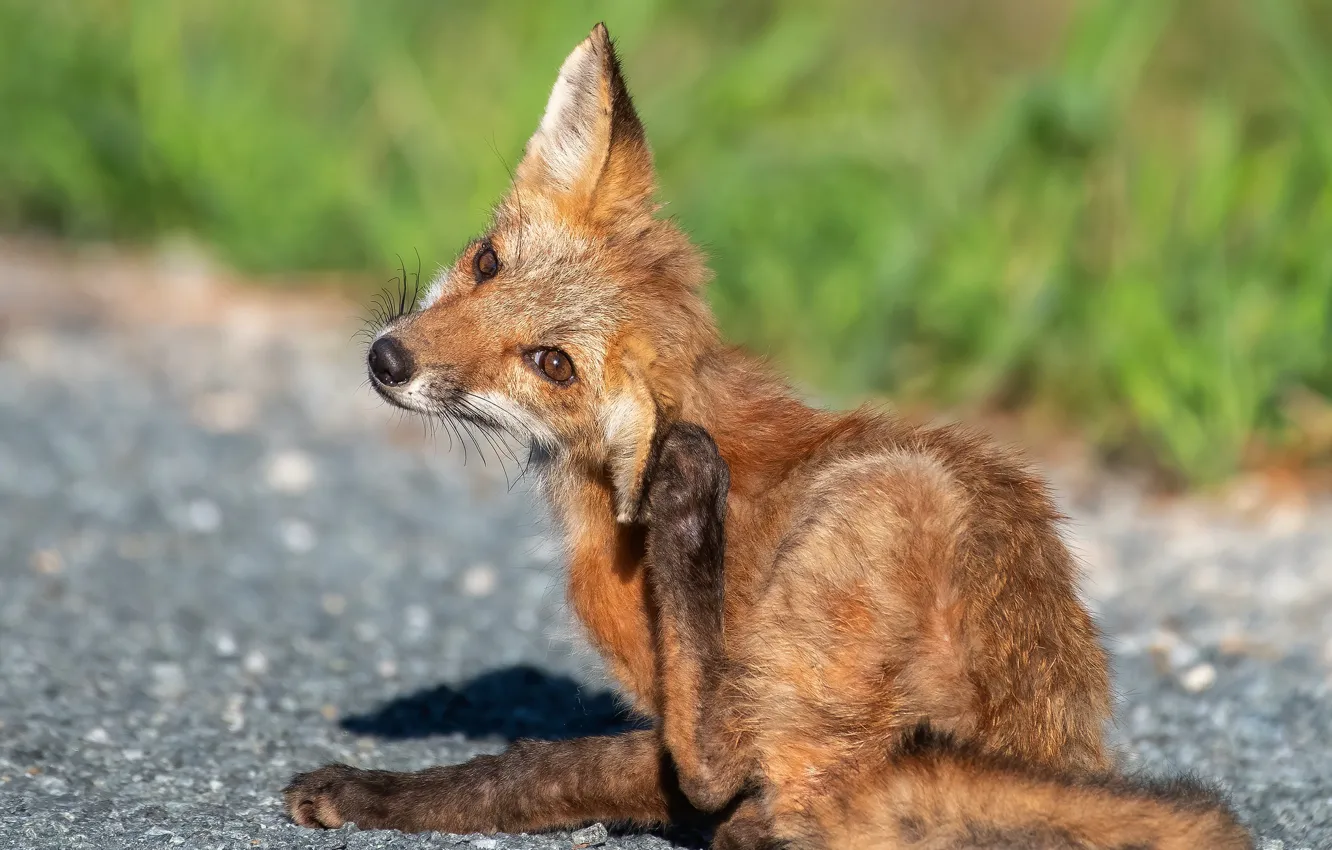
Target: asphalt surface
[{"x": 223, "y": 562}]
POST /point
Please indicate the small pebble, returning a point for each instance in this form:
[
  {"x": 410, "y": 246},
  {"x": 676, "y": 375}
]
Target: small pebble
[
  {"x": 225, "y": 645},
  {"x": 590, "y": 836},
  {"x": 418, "y": 620},
  {"x": 1199, "y": 678},
  {"x": 168, "y": 681},
  {"x": 334, "y": 604},
  {"x": 255, "y": 663},
  {"x": 48, "y": 562},
  {"x": 97, "y": 735},
  {"x": 479, "y": 580},
  {"x": 204, "y": 516},
  {"x": 297, "y": 536},
  {"x": 234, "y": 713},
  {"x": 388, "y": 668},
  {"x": 290, "y": 472},
  {"x": 1171, "y": 651},
  {"x": 485, "y": 843}
]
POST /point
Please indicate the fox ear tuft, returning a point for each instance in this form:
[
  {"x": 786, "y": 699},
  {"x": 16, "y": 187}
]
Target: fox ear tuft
[{"x": 590, "y": 145}]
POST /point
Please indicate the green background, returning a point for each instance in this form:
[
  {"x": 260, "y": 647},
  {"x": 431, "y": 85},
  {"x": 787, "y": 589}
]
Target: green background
[{"x": 1115, "y": 213}]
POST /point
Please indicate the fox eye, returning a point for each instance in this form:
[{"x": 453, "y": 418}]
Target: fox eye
[
  {"x": 553, "y": 364},
  {"x": 485, "y": 264}
]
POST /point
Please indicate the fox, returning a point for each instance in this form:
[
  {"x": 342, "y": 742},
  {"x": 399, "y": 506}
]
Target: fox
[{"x": 842, "y": 629}]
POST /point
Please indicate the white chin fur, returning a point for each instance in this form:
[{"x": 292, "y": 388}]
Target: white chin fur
[
  {"x": 513, "y": 418},
  {"x": 411, "y": 397}
]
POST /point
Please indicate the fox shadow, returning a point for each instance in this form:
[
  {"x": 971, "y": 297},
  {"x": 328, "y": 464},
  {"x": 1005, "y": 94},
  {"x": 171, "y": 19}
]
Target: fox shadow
[{"x": 515, "y": 702}]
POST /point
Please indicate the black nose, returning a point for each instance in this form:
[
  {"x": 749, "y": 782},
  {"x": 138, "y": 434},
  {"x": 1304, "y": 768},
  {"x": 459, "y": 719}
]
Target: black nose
[{"x": 390, "y": 363}]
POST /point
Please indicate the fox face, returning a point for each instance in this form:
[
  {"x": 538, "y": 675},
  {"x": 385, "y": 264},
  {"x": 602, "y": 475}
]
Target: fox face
[{"x": 575, "y": 320}]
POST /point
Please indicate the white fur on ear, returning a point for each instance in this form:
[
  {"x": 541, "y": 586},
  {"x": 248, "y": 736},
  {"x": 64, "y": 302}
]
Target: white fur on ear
[{"x": 574, "y": 133}]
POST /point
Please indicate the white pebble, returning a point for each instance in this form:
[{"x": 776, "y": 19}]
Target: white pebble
[
  {"x": 1172, "y": 649},
  {"x": 485, "y": 843},
  {"x": 590, "y": 836},
  {"x": 297, "y": 536},
  {"x": 1197, "y": 679},
  {"x": 204, "y": 516},
  {"x": 334, "y": 604},
  {"x": 53, "y": 785},
  {"x": 234, "y": 713},
  {"x": 418, "y": 618},
  {"x": 168, "y": 681},
  {"x": 479, "y": 580},
  {"x": 255, "y": 663},
  {"x": 225, "y": 645},
  {"x": 388, "y": 668},
  {"x": 48, "y": 562},
  {"x": 97, "y": 735},
  {"x": 290, "y": 471}
]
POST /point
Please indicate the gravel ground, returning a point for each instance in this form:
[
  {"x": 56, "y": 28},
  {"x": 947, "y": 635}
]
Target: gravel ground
[{"x": 221, "y": 562}]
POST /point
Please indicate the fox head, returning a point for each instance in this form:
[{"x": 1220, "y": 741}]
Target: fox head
[{"x": 575, "y": 320}]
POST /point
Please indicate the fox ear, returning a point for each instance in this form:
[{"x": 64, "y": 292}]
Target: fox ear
[{"x": 590, "y": 149}]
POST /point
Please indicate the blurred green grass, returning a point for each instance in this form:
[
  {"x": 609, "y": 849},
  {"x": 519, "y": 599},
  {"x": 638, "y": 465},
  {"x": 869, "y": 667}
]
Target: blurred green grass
[{"x": 1117, "y": 212}]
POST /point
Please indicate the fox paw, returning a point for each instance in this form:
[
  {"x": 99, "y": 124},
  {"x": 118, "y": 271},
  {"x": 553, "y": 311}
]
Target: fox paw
[
  {"x": 338, "y": 794},
  {"x": 689, "y": 480},
  {"x": 689, "y": 472}
]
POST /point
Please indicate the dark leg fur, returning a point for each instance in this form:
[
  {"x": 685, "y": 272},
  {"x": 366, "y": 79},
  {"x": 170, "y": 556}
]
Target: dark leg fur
[
  {"x": 748, "y": 828},
  {"x": 534, "y": 785},
  {"x": 686, "y": 542}
]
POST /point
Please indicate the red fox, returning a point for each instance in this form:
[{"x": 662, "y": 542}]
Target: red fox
[{"x": 849, "y": 631}]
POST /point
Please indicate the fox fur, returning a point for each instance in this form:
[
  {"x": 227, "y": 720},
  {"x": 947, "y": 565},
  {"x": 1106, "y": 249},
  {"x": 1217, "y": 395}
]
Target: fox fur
[{"x": 848, "y": 630}]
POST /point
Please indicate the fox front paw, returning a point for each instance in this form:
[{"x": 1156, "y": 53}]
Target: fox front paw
[{"x": 338, "y": 794}]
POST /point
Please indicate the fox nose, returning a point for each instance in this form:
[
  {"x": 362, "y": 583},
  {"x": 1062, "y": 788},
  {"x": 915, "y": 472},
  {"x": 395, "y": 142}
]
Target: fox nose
[{"x": 390, "y": 363}]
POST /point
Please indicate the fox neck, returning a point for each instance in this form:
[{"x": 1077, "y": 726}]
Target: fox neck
[{"x": 761, "y": 428}]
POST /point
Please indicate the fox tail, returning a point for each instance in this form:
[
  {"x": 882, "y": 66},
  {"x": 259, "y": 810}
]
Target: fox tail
[{"x": 942, "y": 795}]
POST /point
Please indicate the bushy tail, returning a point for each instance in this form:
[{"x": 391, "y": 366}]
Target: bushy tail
[{"x": 944, "y": 796}]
